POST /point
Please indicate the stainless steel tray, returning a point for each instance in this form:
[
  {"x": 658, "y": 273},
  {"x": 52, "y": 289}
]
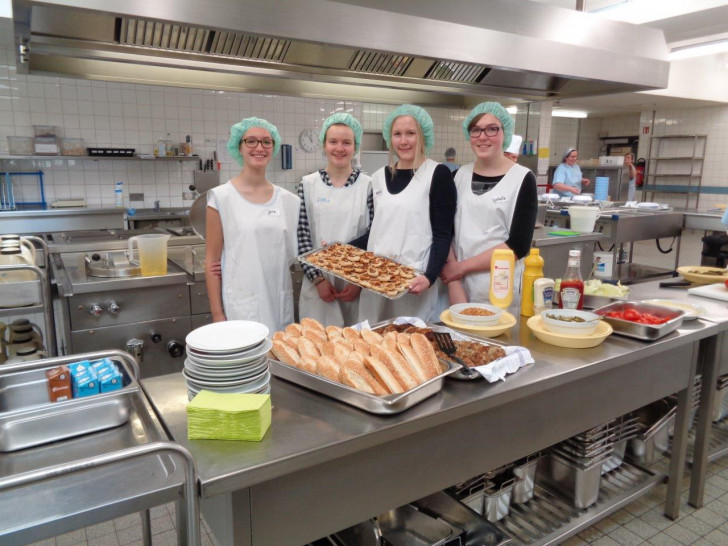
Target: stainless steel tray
[
  {"x": 392, "y": 403},
  {"x": 458, "y": 336},
  {"x": 647, "y": 332},
  {"x": 303, "y": 259},
  {"x": 28, "y": 418},
  {"x": 406, "y": 525}
]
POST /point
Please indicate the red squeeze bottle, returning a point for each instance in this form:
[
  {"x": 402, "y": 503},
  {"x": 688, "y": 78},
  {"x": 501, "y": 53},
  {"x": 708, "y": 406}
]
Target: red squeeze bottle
[{"x": 571, "y": 292}]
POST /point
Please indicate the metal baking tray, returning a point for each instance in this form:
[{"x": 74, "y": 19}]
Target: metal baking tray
[
  {"x": 636, "y": 330},
  {"x": 385, "y": 405},
  {"x": 303, "y": 259},
  {"x": 406, "y": 525},
  {"x": 456, "y": 336},
  {"x": 28, "y": 418}
]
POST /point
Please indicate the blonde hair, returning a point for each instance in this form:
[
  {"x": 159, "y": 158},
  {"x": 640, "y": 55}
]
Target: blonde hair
[{"x": 420, "y": 156}]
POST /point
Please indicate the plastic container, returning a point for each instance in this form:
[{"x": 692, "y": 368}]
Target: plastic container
[
  {"x": 152, "y": 253},
  {"x": 119, "y": 195},
  {"x": 73, "y": 146},
  {"x": 502, "y": 267},
  {"x": 616, "y": 160},
  {"x": 601, "y": 188},
  {"x": 571, "y": 290},
  {"x": 45, "y": 146},
  {"x": 44, "y": 131},
  {"x": 543, "y": 295},
  {"x": 583, "y": 219},
  {"x": 604, "y": 263},
  {"x": 532, "y": 271},
  {"x": 20, "y": 145}
]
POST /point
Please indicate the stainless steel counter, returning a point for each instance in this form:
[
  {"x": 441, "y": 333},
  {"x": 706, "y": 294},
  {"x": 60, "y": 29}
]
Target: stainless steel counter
[
  {"x": 703, "y": 221},
  {"x": 327, "y": 466},
  {"x": 554, "y": 249},
  {"x": 46, "y": 221}
]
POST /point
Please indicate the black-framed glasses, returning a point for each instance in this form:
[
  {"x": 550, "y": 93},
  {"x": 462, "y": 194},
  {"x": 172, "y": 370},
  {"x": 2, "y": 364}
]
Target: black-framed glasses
[
  {"x": 253, "y": 142},
  {"x": 490, "y": 130}
]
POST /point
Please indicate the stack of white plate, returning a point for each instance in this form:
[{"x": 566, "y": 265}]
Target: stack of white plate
[{"x": 229, "y": 356}]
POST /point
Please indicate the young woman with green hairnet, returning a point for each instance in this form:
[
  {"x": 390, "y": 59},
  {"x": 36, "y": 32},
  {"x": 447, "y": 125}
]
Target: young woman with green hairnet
[
  {"x": 251, "y": 227},
  {"x": 497, "y": 205},
  {"x": 414, "y": 207},
  {"x": 336, "y": 205}
]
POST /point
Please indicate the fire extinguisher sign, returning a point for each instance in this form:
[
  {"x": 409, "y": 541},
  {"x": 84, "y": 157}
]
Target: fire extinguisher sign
[{"x": 646, "y": 130}]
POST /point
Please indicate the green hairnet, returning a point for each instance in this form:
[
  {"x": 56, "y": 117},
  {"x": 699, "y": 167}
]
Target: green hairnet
[
  {"x": 343, "y": 118},
  {"x": 237, "y": 132},
  {"x": 495, "y": 109},
  {"x": 420, "y": 115}
]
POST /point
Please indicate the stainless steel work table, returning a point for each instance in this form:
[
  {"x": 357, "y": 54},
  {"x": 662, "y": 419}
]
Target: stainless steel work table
[
  {"x": 714, "y": 363},
  {"x": 324, "y": 466}
]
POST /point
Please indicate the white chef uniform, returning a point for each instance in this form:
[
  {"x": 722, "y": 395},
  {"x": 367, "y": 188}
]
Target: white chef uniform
[
  {"x": 259, "y": 246},
  {"x": 484, "y": 221},
  {"x": 334, "y": 214},
  {"x": 402, "y": 231}
]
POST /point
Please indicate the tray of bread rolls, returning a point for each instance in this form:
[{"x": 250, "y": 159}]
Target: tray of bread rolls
[
  {"x": 362, "y": 268},
  {"x": 362, "y": 368}
]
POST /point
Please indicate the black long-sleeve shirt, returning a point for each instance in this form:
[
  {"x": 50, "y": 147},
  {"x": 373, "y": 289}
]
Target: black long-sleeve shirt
[
  {"x": 443, "y": 202},
  {"x": 520, "y": 235}
]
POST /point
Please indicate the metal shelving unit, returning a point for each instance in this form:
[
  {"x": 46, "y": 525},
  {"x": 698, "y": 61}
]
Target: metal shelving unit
[{"x": 692, "y": 152}]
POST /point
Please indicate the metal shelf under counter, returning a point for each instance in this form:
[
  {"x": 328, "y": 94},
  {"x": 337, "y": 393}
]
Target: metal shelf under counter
[{"x": 48, "y": 221}]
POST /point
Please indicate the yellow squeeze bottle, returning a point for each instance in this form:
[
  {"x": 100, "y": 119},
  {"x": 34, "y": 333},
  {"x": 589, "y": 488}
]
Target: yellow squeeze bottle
[
  {"x": 533, "y": 270},
  {"x": 502, "y": 266}
]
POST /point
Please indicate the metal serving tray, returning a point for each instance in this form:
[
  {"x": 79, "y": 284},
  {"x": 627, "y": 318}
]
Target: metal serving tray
[
  {"x": 636, "y": 330},
  {"x": 28, "y": 418},
  {"x": 303, "y": 259},
  {"x": 456, "y": 336},
  {"x": 390, "y": 404},
  {"x": 406, "y": 525}
]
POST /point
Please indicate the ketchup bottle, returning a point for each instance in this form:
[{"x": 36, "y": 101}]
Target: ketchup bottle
[{"x": 571, "y": 292}]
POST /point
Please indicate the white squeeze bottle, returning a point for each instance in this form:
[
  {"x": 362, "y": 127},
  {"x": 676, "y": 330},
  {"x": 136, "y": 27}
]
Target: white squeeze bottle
[{"x": 119, "y": 195}]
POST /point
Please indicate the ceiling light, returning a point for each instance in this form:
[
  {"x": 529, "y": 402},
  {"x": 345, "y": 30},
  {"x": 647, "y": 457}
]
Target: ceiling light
[
  {"x": 559, "y": 113},
  {"x": 512, "y": 110},
  {"x": 699, "y": 50}
]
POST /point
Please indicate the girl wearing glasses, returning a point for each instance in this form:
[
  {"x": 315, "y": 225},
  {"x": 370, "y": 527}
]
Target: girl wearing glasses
[
  {"x": 336, "y": 205},
  {"x": 567, "y": 180},
  {"x": 251, "y": 226},
  {"x": 497, "y": 205},
  {"x": 414, "y": 207}
]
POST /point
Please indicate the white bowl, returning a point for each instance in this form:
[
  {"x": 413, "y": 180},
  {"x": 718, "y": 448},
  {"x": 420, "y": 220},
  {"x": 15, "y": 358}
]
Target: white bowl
[
  {"x": 582, "y": 199},
  {"x": 475, "y": 320},
  {"x": 588, "y": 326}
]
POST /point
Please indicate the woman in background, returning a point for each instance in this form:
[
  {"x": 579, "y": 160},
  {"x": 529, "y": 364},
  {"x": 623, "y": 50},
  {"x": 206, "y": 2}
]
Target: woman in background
[
  {"x": 251, "y": 229},
  {"x": 629, "y": 162},
  {"x": 336, "y": 205},
  {"x": 497, "y": 205},
  {"x": 414, "y": 208},
  {"x": 568, "y": 180}
]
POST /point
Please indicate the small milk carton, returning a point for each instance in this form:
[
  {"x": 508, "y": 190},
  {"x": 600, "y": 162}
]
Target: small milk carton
[
  {"x": 84, "y": 379},
  {"x": 59, "y": 383}
]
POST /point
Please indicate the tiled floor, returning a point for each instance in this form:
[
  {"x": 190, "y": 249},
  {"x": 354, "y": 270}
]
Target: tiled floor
[{"x": 641, "y": 522}]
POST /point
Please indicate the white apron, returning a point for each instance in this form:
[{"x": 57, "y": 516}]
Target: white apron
[
  {"x": 259, "y": 247},
  {"x": 402, "y": 231},
  {"x": 484, "y": 221},
  {"x": 334, "y": 214}
]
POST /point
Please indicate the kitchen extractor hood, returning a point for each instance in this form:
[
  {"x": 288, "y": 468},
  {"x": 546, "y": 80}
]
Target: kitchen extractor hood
[{"x": 455, "y": 53}]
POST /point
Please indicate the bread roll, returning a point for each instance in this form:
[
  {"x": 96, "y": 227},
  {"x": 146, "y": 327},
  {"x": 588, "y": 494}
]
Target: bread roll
[
  {"x": 341, "y": 352},
  {"x": 328, "y": 349},
  {"x": 411, "y": 357},
  {"x": 286, "y": 354},
  {"x": 306, "y": 347},
  {"x": 342, "y": 341},
  {"x": 317, "y": 336},
  {"x": 353, "y": 367},
  {"x": 382, "y": 374},
  {"x": 308, "y": 364},
  {"x": 425, "y": 355},
  {"x": 333, "y": 331},
  {"x": 360, "y": 346},
  {"x": 372, "y": 338},
  {"x": 291, "y": 340},
  {"x": 350, "y": 334},
  {"x": 353, "y": 355},
  {"x": 278, "y": 336},
  {"x": 390, "y": 343},
  {"x": 327, "y": 367},
  {"x": 352, "y": 379},
  {"x": 313, "y": 323},
  {"x": 403, "y": 339},
  {"x": 294, "y": 329},
  {"x": 400, "y": 369}
]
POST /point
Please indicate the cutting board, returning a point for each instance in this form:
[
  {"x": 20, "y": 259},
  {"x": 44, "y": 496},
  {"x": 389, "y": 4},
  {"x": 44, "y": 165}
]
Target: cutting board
[{"x": 713, "y": 291}]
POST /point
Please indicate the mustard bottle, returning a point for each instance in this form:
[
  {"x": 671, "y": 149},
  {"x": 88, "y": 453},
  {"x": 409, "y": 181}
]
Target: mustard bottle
[
  {"x": 502, "y": 267},
  {"x": 533, "y": 270}
]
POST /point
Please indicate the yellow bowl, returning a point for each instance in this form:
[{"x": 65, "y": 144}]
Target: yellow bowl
[
  {"x": 566, "y": 340},
  {"x": 506, "y": 322},
  {"x": 697, "y": 274}
]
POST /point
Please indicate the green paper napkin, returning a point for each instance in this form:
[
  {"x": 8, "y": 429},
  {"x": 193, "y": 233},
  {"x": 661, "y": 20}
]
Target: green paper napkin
[{"x": 228, "y": 416}]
